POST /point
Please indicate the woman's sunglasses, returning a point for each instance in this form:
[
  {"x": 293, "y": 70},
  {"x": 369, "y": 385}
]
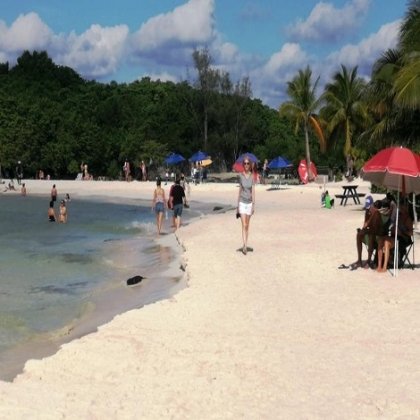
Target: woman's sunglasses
[{"x": 246, "y": 163}]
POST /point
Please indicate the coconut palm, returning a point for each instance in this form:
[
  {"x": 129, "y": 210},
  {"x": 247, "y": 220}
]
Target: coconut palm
[
  {"x": 407, "y": 82},
  {"x": 391, "y": 121},
  {"x": 394, "y": 91},
  {"x": 301, "y": 109},
  {"x": 345, "y": 111}
]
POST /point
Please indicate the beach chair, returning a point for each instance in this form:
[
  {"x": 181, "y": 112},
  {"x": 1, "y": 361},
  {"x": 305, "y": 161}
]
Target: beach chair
[{"x": 406, "y": 252}]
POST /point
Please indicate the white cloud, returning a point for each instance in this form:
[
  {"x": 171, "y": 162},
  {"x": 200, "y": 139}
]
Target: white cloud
[
  {"x": 289, "y": 55},
  {"x": 97, "y": 52},
  {"x": 327, "y": 23},
  {"x": 190, "y": 23},
  {"x": 27, "y": 32},
  {"x": 367, "y": 51}
]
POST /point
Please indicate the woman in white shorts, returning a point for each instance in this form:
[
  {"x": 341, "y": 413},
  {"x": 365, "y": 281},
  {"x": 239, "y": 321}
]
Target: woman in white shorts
[{"x": 246, "y": 200}]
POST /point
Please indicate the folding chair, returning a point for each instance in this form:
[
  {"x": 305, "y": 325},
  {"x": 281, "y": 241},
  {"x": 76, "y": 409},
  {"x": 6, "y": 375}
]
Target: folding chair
[{"x": 404, "y": 250}]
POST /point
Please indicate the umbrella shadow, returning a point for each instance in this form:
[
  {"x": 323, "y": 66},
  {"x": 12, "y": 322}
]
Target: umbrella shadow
[{"x": 277, "y": 188}]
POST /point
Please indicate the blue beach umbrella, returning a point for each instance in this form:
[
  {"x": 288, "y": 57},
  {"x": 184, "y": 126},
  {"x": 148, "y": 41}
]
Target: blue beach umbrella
[
  {"x": 196, "y": 157},
  {"x": 279, "y": 163},
  {"x": 251, "y": 157},
  {"x": 173, "y": 159}
]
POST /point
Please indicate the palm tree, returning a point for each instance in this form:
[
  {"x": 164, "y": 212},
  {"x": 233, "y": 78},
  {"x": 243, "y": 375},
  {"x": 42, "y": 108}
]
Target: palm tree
[
  {"x": 301, "y": 109},
  {"x": 394, "y": 91},
  {"x": 345, "y": 111},
  {"x": 407, "y": 82}
]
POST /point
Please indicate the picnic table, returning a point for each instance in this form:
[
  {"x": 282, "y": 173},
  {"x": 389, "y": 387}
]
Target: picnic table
[{"x": 350, "y": 191}]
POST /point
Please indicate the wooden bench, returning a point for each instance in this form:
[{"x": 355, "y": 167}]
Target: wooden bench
[
  {"x": 339, "y": 195},
  {"x": 361, "y": 195}
]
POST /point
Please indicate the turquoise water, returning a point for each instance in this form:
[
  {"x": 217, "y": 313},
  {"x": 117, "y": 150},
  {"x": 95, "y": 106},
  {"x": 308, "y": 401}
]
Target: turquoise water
[{"x": 53, "y": 274}]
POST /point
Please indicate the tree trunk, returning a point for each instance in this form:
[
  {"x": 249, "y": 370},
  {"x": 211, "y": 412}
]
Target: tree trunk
[
  {"x": 308, "y": 153},
  {"x": 205, "y": 129}
]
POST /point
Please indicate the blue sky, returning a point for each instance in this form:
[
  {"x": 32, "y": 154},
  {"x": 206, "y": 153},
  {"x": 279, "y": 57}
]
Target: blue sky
[{"x": 266, "y": 40}]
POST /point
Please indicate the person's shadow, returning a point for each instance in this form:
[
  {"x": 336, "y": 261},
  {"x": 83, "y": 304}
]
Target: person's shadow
[{"x": 248, "y": 249}]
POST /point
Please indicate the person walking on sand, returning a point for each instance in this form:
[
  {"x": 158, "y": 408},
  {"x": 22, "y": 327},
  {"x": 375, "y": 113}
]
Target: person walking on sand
[
  {"x": 54, "y": 193},
  {"x": 62, "y": 216},
  {"x": 159, "y": 204},
  {"x": 23, "y": 190},
  {"x": 246, "y": 200},
  {"x": 177, "y": 200}
]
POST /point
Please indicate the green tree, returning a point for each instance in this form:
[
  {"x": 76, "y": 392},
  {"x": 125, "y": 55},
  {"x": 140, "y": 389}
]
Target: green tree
[
  {"x": 207, "y": 83},
  {"x": 345, "y": 112}
]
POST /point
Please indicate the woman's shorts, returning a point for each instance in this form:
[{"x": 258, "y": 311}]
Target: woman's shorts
[
  {"x": 178, "y": 210},
  {"x": 159, "y": 208},
  {"x": 245, "y": 208}
]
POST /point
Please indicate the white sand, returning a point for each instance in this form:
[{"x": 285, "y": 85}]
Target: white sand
[{"x": 280, "y": 333}]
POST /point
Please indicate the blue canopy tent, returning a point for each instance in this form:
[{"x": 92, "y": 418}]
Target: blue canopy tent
[
  {"x": 251, "y": 156},
  {"x": 199, "y": 156},
  {"x": 279, "y": 163},
  {"x": 174, "y": 159}
]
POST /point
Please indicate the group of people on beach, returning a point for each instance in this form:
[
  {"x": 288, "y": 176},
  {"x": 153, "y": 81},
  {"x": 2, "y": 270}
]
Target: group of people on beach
[
  {"x": 177, "y": 201},
  {"x": 378, "y": 232},
  {"x": 62, "y": 212},
  {"x": 11, "y": 187}
]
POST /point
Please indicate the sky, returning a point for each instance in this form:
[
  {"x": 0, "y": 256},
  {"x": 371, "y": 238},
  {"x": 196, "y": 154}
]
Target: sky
[{"x": 265, "y": 40}]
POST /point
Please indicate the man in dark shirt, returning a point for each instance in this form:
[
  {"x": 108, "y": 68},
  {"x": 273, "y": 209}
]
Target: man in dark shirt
[
  {"x": 177, "y": 200},
  {"x": 372, "y": 227}
]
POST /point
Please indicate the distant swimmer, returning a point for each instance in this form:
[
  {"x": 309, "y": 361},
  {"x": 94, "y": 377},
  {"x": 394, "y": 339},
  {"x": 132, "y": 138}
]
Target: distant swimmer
[
  {"x": 51, "y": 212},
  {"x": 54, "y": 193},
  {"x": 134, "y": 280},
  {"x": 63, "y": 212}
]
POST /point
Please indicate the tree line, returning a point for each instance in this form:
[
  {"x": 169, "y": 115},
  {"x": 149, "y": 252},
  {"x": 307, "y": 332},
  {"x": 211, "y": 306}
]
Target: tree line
[{"x": 51, "y": 119}]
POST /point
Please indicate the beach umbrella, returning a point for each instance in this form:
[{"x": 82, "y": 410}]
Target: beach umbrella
[
  {"x": 251, "y": 157},
  {"x": 238, "y": 165},
  {"x": 199, "y": 156},
  {"x": 205, "y": 162},
  {"x": 303, "y": 171},
  {"x": 398, "y": 169},
  {"x": 174, "y": 159},
  {"x": 279, "y": 163},
  {"x": 395, "y": 168}
]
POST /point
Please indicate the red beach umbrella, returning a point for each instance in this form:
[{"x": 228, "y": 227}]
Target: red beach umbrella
[
  {"x": 303, "y": 171},
  {"x": 395, "y": 168},
  {"x": 238, "y": 167}
]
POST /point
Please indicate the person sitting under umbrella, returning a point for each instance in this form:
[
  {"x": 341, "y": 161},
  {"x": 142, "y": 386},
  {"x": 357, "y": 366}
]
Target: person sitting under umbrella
[
  {"x": 372, "y": 227},
  {"x": 386, "y": 243}
]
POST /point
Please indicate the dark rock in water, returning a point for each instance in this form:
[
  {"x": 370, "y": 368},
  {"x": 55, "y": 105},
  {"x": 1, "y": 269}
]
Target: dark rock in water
[{"x": 134, "y": 280}]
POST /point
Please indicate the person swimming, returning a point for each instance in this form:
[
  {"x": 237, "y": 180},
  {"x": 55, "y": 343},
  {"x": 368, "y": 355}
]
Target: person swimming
[
  {"x": 63, "y": 212},
  {"x": 51, "y": 212}
]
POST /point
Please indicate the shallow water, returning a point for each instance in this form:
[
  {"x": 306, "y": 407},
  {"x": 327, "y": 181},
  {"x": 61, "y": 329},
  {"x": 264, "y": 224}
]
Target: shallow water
[{"x": 54, "y": 275}]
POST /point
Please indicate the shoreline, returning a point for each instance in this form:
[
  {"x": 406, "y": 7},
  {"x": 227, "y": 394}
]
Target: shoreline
[
  {"x": 108, "y": 300},
  {"x": 278, "y": 333}
]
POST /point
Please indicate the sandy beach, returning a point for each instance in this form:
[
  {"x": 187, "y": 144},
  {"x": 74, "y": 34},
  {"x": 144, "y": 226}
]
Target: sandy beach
[{"x": 280, "y": 333}]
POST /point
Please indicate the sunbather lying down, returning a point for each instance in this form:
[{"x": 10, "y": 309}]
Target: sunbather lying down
[{"x": 11, "y": 187}]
